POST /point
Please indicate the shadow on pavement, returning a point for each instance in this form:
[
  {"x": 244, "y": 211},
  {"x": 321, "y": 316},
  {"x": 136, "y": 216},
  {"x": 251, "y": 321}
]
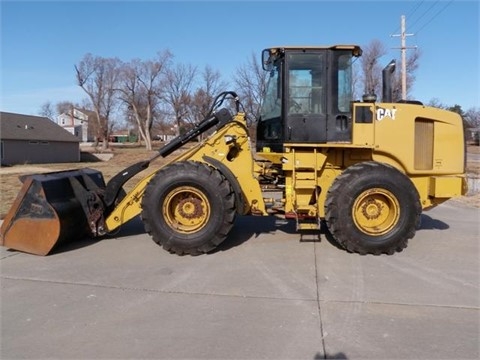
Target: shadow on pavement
[
  {"x": 247, "y": 226},
  {"x": 339, "y": 355},
  {"x": 253, "y": 226},
  {"x": 72, "y": 245},
  {"x": 427, "y": 223},
  {"x": 244, "y": 228},
  {"x": 132, "y": 228}
]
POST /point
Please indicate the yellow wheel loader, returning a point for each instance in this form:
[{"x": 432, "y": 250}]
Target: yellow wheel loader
[{"x": 366, "y": 169}]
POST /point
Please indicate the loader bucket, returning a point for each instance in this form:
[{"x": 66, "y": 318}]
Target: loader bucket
[{"x": 49, "y": 210}]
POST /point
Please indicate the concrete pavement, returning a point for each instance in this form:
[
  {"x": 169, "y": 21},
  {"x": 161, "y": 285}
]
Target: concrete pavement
[{"x": 262, "y": 295}]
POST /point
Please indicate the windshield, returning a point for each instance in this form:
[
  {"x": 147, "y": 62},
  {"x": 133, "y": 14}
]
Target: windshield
[
  {"x": 271, "y": 106},
  {"x": 307, "y": 85}
]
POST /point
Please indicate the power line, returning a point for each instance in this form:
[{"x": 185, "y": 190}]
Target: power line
[
  {"x": 415, "y": 8},
  {"x": 424, "y": 13},
  {"x": 437, "y": 14},
  {"x": 403, "y": 35},
  {"x": 411, "y": 13}
]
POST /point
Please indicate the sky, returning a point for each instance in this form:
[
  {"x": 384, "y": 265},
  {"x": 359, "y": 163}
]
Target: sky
[{"x": 41, "y": 41}]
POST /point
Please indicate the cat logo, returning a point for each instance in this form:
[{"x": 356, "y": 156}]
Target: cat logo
[{"x": 383, "y": 113}]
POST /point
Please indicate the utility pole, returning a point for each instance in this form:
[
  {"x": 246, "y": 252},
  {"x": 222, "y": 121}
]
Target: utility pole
[{"x": 403, "y": 36}]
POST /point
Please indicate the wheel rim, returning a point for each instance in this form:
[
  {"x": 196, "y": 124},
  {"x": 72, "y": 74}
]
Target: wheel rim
[
  {"x": 376, "y": 211},
  {"x": 186, "y": 209}
]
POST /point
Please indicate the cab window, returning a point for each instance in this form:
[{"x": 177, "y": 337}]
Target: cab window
[{"x": 306, "y": 84}]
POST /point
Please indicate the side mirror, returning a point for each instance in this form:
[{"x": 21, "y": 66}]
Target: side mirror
[{"x": 267, "y": 63}]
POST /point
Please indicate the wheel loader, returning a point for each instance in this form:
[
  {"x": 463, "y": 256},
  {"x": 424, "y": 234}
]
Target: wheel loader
[{"x": 364, "y": 168}]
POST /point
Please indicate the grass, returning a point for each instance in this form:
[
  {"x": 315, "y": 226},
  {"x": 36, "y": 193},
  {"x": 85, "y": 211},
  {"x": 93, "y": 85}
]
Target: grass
[
  {"x": 10, "y": 184},
  {"x": 122, "y": 157}
]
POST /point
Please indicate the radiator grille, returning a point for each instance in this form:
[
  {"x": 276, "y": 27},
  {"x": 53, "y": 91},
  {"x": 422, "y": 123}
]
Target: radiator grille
[{"x": 423, "y": 144}]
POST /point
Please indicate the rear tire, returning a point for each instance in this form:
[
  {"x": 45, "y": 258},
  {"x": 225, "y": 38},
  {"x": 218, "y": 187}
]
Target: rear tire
[
  {"x": 372, "y": 208},
  {"x": 188, "y": 208}
]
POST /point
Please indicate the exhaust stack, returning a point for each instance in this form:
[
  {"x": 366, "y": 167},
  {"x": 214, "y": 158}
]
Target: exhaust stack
[{"x": 387, "y": 95}]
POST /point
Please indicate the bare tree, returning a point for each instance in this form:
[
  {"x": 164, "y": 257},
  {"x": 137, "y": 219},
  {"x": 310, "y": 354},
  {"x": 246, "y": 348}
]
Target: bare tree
[
  {"x": 435, "y": 102},
  {"x": 47, "y": 111},
  {"x": 210, "y": 87},
  {"x": 52, "y": 111},
  {"x": 64, "y": 107},
  {"x": 371, "y": 69},
  {"x": 412, "y": 66},
  {"x": 250, "y": 80},
  {"x": 356, "y": 80},
  {"x": 472, "y": 116},
  {"x": 163, "y": 124},
  {"x": 178, "y": 95},
  {"x": 98, "y": 77},
  {"x": 141, "y": 90}
]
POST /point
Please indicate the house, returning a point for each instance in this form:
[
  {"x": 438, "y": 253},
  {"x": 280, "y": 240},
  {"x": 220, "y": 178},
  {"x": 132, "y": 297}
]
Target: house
[
  {"x": 78, "y": 122},
  {"x": 35, "y": 140}
]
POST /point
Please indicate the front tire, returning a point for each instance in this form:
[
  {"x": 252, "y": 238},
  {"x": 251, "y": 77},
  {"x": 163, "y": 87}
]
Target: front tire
[
  {"x": 188, "y": 208},
  {"x": 372, "y": 208}
]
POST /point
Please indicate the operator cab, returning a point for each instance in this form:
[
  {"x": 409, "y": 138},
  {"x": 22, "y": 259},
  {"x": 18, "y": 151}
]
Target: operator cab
[{"x": 308, "y": 96}]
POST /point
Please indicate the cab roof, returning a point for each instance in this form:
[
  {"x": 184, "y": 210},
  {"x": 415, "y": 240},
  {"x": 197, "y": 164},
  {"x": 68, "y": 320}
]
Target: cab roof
[{"x": 352, "y": 47}]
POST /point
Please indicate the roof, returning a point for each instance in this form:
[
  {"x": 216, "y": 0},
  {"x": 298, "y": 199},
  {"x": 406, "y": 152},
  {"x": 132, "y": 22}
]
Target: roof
[
  {"x": 321, "y": 47},
  {"x": 28, "y": 127},
  {"x": 356, "y": 49},
  {"x": 83, "y": 111},
  {"x": 89, "y": 113}
]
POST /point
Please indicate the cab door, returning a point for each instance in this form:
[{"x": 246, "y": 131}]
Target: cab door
[
  {"x": 305, "y": 105},
  {"x": 339, "y": 103}
]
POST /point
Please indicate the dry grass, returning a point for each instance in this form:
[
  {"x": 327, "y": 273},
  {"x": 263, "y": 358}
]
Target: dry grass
[{"x": 123, "y": 157}]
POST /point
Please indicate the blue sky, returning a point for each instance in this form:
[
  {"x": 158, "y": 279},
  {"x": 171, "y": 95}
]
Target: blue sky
[{"x": 42, "y": 41}]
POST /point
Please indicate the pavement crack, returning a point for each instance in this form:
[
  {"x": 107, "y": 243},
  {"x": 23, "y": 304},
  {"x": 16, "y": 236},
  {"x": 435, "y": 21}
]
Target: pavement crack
[
  {"x": 317, "y": 299},
  {"x": 9, "y": 255},
  {"x": 159, "y": 291},
  {"x": 319, "y": 308},
  {"x": 364, "y": 302}
]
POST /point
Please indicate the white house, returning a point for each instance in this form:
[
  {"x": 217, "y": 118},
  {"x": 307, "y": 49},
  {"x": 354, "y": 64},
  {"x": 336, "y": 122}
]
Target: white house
[{"x": 76, "y": 121}]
